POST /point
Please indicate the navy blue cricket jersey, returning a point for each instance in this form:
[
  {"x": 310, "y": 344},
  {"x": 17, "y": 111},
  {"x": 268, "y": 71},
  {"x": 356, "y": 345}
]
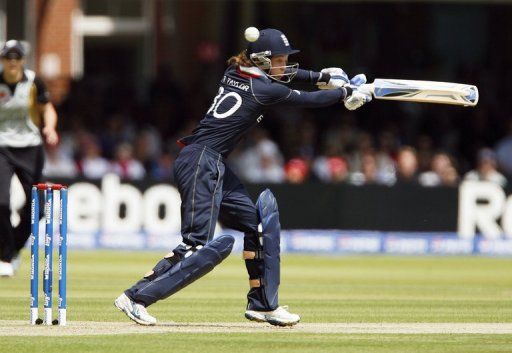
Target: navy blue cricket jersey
[{"x": 244, "y": 94}]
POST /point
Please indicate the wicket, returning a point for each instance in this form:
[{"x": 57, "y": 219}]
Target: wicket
[{"x": 48, "y": 190}]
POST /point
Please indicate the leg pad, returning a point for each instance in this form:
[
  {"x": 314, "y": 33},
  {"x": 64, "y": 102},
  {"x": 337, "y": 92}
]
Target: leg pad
[
  {"x": 265, "y": 262},
  {"x": 188, "y": 270}
]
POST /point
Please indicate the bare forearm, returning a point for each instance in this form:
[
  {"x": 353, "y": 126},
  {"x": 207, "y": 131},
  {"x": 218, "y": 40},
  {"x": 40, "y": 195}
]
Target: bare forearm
[
  {"x": 49, "y": 116},
  {"x": 50, "y": 124}
]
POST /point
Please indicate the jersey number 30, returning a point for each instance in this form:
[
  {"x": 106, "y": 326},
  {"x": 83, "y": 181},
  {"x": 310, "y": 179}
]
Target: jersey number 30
[{"x": 221, "y": 97}]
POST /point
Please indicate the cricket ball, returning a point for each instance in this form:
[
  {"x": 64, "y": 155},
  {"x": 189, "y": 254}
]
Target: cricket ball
[{"x": 252, "y": 34}]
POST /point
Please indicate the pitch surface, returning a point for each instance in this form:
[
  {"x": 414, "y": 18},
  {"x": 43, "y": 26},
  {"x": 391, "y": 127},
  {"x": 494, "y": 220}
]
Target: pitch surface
[{"x": 349, "y": 304}]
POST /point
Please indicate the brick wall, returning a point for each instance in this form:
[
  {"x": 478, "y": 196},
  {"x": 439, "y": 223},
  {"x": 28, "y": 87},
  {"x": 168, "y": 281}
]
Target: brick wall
[{"x": 53, "y": 52}]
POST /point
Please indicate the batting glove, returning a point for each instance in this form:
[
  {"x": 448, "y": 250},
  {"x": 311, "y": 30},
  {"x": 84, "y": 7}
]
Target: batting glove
[
  {"x": 358, "y": 80},
  {"x": 338, "y": 78},
  {"x": 358, "y": 98}
]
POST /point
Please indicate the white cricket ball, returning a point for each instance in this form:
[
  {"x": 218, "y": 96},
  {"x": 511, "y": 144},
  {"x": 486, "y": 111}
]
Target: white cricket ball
[{"x": 252, "y": 34}]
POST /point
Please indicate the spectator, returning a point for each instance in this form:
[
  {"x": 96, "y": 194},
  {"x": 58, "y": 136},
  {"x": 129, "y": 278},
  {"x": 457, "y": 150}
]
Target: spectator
[
  {"x": 125, "y": 165},
  {"x": 162, "y": 171},
  {"x": 59, "y": 164},
  {"x": 442, "y": 171},
  {"x": 369, "y": 173},
  {"x": 364, "y": 146},
  {"x": 486, "y": 169},
  {"x": 504, "y": 152},
  {"x": 118, "y": 129},
  {"x": 147, "y": 148},
  {"x": 450, "y": 177},
  {"x": 342, "y": 135},
  {"x": 407, "y": 166},
  {"x": 333, "y": 169},
  {"x": 270, "y": 162},
  {"x": 261, "y": 163},
  {"x": 425, "y": 154},
  {"x": 388, "y": 144},
  {"x": 93, "y": 165},
  {"x": 296, "y": 170},
  {"x": 307, "y": 138}
]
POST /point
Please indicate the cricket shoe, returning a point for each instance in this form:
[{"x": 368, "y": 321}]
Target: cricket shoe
[
  {"x": 16, "y": 263},
  {"x": 6, "y": 269},
  {"x": 134, "y": 311},
  {"x": 277, "y": 317}
]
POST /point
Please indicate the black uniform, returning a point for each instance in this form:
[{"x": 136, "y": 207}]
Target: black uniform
[{"x": 209, "y": 189}]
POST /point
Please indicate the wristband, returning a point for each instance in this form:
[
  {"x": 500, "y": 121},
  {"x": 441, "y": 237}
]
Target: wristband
[
  {"x": 324, "y": 78},
  {"x": 348, "y": 92}
]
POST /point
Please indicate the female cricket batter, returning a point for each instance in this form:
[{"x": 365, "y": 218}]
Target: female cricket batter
[
  {"x": 23, "y": 100},
  {"x": 210, "y": 191}
]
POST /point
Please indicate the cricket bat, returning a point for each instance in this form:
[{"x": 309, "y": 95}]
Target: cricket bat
[{"x": 424, "y": 91}]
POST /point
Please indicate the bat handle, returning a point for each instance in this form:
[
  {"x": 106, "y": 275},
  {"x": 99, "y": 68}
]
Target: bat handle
[
  {"x": 366, "y": 88},
  {"x": 369, "y": 87}
]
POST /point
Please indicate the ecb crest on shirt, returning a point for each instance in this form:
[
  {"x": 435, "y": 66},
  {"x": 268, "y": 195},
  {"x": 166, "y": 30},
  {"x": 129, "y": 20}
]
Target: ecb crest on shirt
[{"x": 5, "y": 94}]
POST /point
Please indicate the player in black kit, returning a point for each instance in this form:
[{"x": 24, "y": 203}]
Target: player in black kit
[
  {"x": 27, "y": 119},
  {"x": 210, "y": 191}
]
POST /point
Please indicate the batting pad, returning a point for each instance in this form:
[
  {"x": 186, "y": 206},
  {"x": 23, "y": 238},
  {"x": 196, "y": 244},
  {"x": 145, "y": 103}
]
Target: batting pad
[
  {"x": 271, "y": 229},
  {"x": 188, "y": 270}
]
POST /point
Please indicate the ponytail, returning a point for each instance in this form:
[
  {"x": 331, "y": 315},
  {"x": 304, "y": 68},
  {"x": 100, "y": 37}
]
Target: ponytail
[{"x": 241, "y": 60}]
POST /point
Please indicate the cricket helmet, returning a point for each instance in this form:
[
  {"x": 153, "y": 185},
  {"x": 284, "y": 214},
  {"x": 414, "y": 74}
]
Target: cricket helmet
[{"x": 272, "y": 42}]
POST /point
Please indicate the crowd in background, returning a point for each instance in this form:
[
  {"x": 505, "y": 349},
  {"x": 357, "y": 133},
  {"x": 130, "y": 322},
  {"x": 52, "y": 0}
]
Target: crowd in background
[{"x": 109, "y": 127}]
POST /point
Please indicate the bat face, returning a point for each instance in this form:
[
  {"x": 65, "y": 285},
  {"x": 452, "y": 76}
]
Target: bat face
[{"x": 426, "y": 91}]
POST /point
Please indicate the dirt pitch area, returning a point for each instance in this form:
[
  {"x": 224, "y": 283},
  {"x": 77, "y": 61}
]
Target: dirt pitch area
[{"x": 22, "y": 328}]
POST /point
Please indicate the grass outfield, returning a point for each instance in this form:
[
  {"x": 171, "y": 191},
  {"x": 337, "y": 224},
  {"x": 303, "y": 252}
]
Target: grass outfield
[{"x": 377, "y": 289}]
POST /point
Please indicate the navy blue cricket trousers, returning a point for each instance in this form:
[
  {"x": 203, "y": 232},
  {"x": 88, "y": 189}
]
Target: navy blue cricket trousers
[{"x": 209, "y": 191}]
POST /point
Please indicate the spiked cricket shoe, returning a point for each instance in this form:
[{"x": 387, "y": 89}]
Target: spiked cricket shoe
[
  {"x": 277, "y": 317},
  {"x": 134, "y": 311}
]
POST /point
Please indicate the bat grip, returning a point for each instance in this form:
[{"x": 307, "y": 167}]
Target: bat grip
[
  {"x": 370, "y": 87},
  {"x": 366, "y": 88}
]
